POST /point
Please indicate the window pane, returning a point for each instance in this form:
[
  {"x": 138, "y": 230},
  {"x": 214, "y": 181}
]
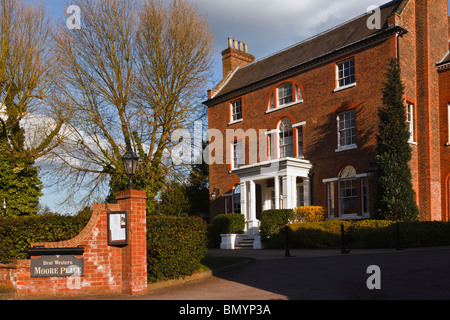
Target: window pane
[
  {"x": 236, "y": 110},
  {"x": 346, "y": 72},
  {"x": 286, "y": 138},
  {"x": 330, "y": 199},
  {"x": 285, "y": 94},
  {"x": 348, "y": 199},
  {"x": 300, "y": 141},
  {"x": 346, "y": 128}
]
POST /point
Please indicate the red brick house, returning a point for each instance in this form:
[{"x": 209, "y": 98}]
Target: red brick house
[{"x": 299, "y": 127}]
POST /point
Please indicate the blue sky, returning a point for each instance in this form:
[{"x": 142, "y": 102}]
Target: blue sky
[{"x": 266, "y": 25}]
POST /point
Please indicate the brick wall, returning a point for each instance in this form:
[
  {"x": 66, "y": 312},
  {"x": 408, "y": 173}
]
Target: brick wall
[
  {"x": 425, "y": 43},
  {"x": 319, "y": 109},
  {"x": 107, "y": 269}
]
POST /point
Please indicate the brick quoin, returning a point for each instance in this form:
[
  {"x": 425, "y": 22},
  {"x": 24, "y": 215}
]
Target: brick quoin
[
  {"x": 108, "y": 269},
  {"x": 421, "y": 43}
]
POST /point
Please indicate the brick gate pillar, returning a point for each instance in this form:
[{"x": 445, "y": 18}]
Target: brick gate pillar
[{"x": 134, "y": 255}]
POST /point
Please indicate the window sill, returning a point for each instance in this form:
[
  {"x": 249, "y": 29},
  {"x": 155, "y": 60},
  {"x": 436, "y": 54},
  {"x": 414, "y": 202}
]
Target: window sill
[
  {"x": 447, "y": 144},
  {"x": 412, "y": 142},
  {"x": 284, "y": 106},
  {"x": 345, "y": 148},
  {"x": 351, "y": 85},
  {"x": 235, "y": 121}
]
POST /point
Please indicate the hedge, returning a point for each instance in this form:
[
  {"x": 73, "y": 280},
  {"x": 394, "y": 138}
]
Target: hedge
[
  {"x": 224, "y": 224},
  {"x": 175, "y": 246},
  {"x": 273, "y": 219},
  {"x": 229, "y": 223},
  {"x": 16, "y": 234},
  {"x": 362, "y": 234},
  {"x": 310, "y": 214}
]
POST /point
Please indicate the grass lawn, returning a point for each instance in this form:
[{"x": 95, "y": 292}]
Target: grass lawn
[{"x": 211, "y": 263}]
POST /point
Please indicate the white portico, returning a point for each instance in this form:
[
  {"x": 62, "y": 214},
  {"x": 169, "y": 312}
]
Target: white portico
[{"x": 276, "y": 184}]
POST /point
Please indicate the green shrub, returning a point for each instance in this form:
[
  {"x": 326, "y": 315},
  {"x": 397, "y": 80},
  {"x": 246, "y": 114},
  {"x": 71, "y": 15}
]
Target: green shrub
[
  {"x": 224, "y": 224},
  {"x": 412, "y": 234},
  {"x": 17, "y": 233},
  {"x": 229, "y": 223},
  {"x": 175, "y": 246},
  {"x": 321, "y": 234},
  {"x": 272, "y": 220},
  {"x": 362, "y": 234},
  {"x": 310, "y": 214}
]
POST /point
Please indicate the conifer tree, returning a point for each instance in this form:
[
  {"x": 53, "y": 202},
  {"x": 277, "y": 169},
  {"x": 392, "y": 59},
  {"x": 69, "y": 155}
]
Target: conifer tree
[{"x": 394, "y": 195}]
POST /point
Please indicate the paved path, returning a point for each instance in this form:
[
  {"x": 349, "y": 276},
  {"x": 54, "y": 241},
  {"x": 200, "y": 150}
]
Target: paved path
[
  {"x": 406, "y": 274},
  {"x": 317, "y": 274}
]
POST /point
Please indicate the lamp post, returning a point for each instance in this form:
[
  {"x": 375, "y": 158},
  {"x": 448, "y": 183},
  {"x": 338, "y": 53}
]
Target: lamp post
[
  {"x": 4, "y": 208},
  {"x": 130, "y": 162}
]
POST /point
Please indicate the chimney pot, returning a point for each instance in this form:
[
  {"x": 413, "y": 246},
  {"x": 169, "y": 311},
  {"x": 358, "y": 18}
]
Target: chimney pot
[
  {"x": 235, "y": 56},
  {"x": 230, "y": 42}
]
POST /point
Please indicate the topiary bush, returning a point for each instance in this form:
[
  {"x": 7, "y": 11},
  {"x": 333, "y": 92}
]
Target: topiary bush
[
  {"x": 175, "y": 246},
  {"x": 17, "y": 233},
  {"x": 273, "y": 219}
]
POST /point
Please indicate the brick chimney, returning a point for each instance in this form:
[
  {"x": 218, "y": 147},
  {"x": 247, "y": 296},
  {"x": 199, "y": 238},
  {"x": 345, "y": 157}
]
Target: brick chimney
[{"x": 236, "y": 55}]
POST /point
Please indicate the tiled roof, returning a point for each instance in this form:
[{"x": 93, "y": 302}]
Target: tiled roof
[{"x": 344, "y": 35}]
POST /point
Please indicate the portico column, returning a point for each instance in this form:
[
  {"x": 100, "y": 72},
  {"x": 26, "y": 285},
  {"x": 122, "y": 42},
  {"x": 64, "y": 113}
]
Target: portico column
[
  {"x": 277, "y": 191},
  {"x": 306, "y": 192},
  {"x": 287, "y": 192},
  {"x": 244, "y": 199},
  {"x": 293, "y": 191},
  {"x": 251, "y": 220}
]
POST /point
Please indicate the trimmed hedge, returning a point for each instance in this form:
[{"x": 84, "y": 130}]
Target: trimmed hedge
[
  {"x": 224, "y": 224},
  {"x": 362, "y": 234},
  {"x": 17, "y": 233},
  {"x": 272, "y": 220},
  {"x": 229, "y": 223},
  {"x": 310, "y": 214},
  {"x": 175, "y": 246}
]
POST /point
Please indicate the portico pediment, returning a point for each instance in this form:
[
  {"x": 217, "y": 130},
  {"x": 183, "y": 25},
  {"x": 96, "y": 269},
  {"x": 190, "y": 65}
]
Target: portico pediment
[{"x": 278, "y": 167}]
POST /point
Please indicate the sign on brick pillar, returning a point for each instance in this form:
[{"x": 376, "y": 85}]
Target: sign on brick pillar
[{"x": 134, "y": 255}]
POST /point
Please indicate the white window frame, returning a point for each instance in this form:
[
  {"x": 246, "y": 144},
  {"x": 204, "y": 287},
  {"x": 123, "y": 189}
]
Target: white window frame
[
  {"x": 330, "y": 199},
  {"x": 341, "y": 68},
  {"x": 296, "y": 97},
  {"x": 342, "y": 198},
  {"x": 235, "y": 115},
  {"x": 235, "y": 203},
  {"x": 237, "y": 156},
  {"x": 341, "y": 131},
  {"x": 286, "y": 87},
  {"x": 410, "y": 120},
  {"x": 299, "y": 127},
  {"x": 283, "y": 146},
  {"x": 365, "y": 202}
]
